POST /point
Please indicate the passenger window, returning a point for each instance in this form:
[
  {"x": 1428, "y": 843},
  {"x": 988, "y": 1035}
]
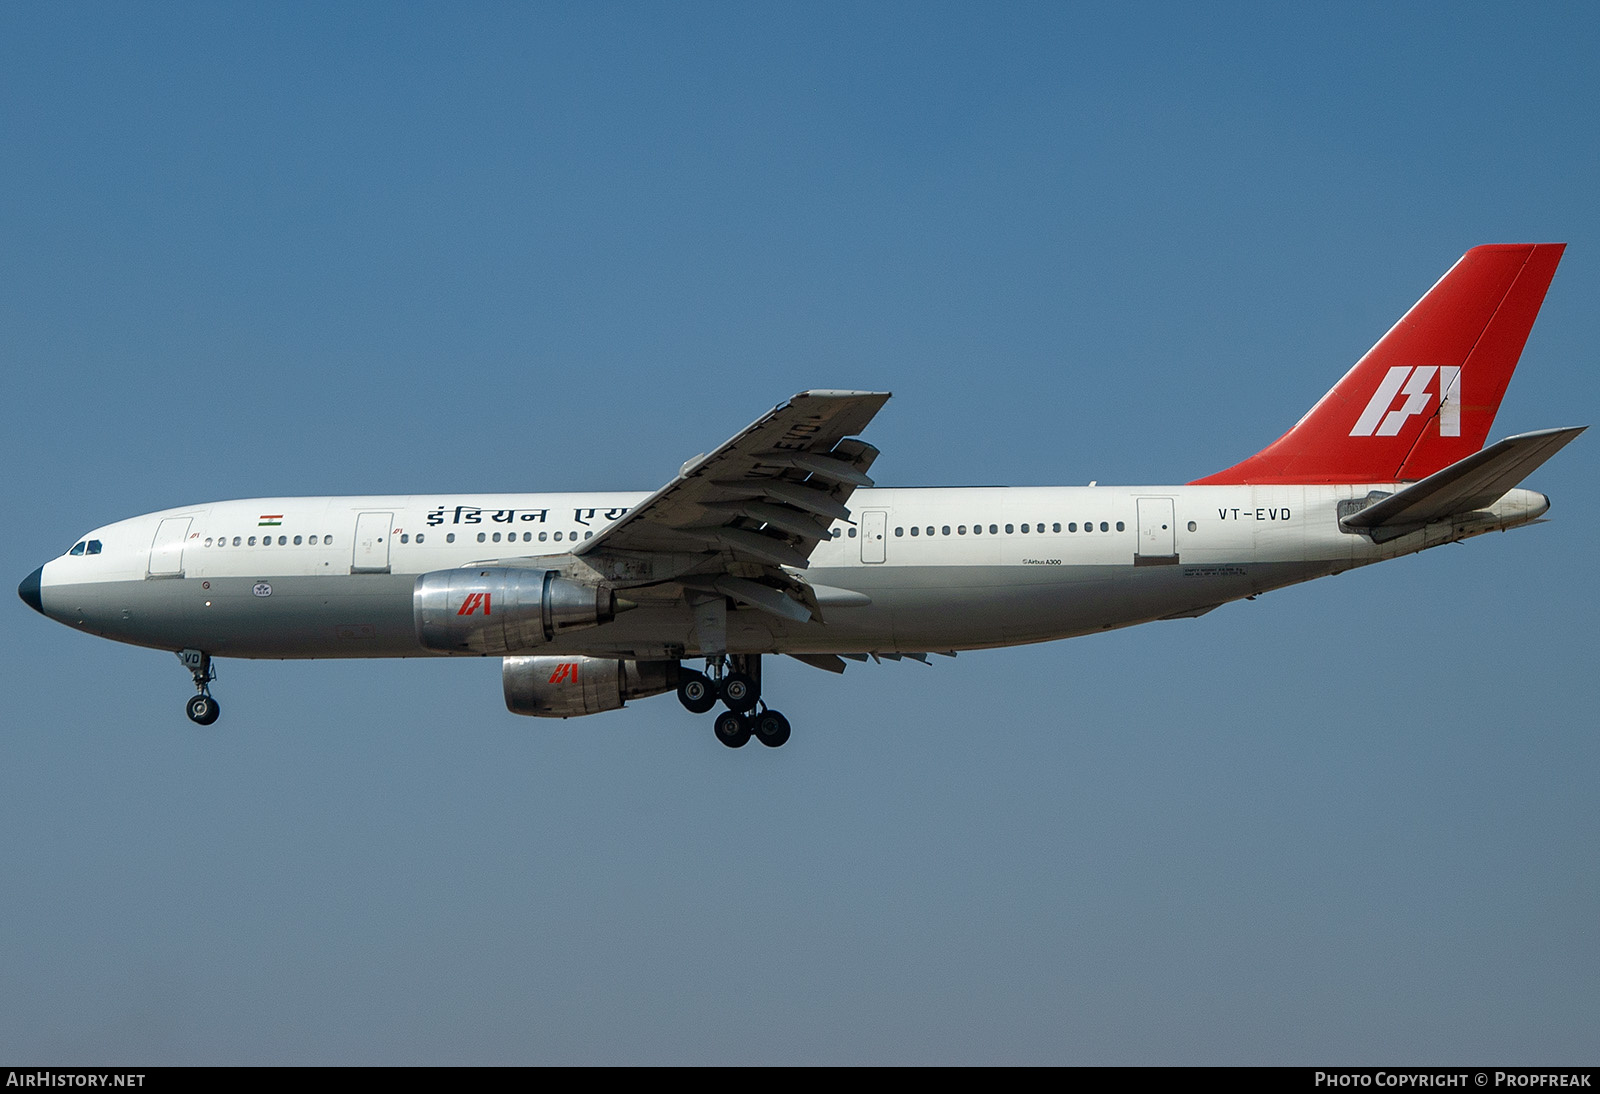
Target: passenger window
[
  {"x": 1103, "y": 527},
  {"x": 899, "y": 532},
  {"x": 404, "y": 538},
  {"x": 945, "y": 530},
  {"x": 496, "y": 537},
  {"x": 930, "y": 529},
  {"x": 419, "y": 537},
  {"x": 852, "y": 533},
  {"x": 283, "y": 541},
  {"x": 915, "y": 530},
  {"x": 1024, "y": 529},
  {"x": 1121, "y": 527},
  {"x": 449, "y": 537},
  {"x": 1010, "y": 528},
  {"x": 1192, "y": 526},
  {"x": 994, "y": 529},
  {"x": 961, "y": 529},
  {"x": 541, "y": 537},
  {"x": 1056, "y": 527},
  {"x": 482, "y": 536},
  {"x": 977, "y": 529},
  {"x": 527, "y": 537},
  {"x": 558, "y": 537},
  {"x": 297, "y": 541},
  {"x": 1072, "y": 527},
  {"x": 327, "y": 541},
  {"x": 251, "y": 542},
  {"x": 588, "y": 535}
]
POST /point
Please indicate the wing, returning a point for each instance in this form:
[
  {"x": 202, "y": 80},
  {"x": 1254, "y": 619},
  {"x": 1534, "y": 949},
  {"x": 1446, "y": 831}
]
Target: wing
[{"x": 737, "y": 521}]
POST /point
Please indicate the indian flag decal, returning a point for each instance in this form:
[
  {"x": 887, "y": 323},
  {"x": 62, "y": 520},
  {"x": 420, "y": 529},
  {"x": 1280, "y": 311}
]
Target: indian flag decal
[{"x": 270, "y": 520}]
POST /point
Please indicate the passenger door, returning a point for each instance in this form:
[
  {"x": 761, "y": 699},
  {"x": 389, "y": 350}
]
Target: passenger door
[
  {"x": 372, "y": 543},
  {"x": 1156, "y": 535},
  {"x": 166, "y": 550},
  {"x": 874, "y": 526}
]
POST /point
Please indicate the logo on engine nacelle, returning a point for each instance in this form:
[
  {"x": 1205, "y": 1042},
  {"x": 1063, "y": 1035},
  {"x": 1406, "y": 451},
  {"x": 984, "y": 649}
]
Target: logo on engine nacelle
[
  {"x": 470, "y": 604},
  {"x": 566, "y": 673}
]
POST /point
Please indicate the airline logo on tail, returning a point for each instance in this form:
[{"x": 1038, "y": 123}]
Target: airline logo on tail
[{"x": 1383, "y": 419}]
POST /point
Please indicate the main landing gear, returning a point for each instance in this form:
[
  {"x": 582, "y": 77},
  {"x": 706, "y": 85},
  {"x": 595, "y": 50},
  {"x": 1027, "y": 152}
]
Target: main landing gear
[
  {"x": 202, "y": 709},
  {"x": 739, "y": 689}
]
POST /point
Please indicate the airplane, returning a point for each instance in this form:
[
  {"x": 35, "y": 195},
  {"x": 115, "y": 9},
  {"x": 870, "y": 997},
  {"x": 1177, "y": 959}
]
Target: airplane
[{"x": 777, "y": 541}]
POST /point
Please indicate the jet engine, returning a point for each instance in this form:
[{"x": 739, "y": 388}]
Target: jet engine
[
  {"x": 501, "y": 610},
  {"x": 566, "y": 687}
]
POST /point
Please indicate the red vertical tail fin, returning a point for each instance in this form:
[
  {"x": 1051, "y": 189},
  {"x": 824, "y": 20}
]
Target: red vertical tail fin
[{"x": 1426, "y": 394}]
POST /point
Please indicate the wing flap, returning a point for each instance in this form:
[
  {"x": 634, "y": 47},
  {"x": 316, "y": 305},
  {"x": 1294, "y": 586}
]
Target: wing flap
[
  {"x": 808, "y": 499},
  {"x": 827, "y": 662},
  {"x": 761, "y": 596}
]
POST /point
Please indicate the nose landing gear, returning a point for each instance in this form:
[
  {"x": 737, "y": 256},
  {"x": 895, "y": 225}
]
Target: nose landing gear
[
  {"x": 739, "y": 689},
  {"x": 202, "y": 709}
]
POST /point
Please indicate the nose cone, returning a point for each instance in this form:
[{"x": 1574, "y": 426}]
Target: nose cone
[{"x": 29, "y": 590}]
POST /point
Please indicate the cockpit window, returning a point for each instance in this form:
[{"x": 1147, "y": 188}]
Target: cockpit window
[
  {"x": 78, "y": 548},
  {"x": 94, "y": 546}
]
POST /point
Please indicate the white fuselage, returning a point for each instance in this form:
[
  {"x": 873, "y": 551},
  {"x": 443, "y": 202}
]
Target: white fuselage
[{"x": 918, "y": 570}]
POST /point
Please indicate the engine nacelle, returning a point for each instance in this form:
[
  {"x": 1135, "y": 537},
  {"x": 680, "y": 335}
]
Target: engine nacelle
[
  {"x": 567, "y": 687},
  {"x": 499, "y": 610}
]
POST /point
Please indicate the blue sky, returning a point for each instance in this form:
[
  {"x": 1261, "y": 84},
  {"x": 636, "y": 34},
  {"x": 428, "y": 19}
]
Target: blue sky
[{"x": 285, "y": 249}]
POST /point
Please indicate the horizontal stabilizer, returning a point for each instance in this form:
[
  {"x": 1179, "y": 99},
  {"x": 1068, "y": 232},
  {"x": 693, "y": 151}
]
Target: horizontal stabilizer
[{"x": 1473, "y": 483}]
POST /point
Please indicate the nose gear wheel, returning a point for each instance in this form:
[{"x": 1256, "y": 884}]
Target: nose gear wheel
[{"x": 202, "y": 709}]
